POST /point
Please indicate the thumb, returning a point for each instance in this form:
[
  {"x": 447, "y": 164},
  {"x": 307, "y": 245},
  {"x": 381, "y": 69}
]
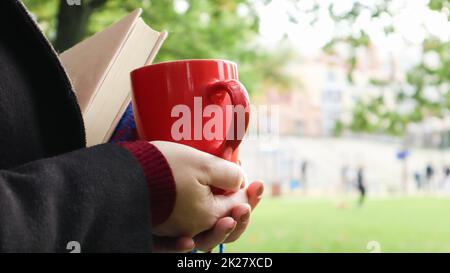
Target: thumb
[{"x": 225, "y": 175}]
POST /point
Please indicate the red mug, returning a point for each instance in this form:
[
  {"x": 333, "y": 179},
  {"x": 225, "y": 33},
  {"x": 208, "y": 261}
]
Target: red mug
[{"x": 172, "y": 101}]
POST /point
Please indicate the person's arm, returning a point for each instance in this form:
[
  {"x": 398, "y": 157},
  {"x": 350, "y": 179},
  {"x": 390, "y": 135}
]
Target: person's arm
[
  {"x": 97, "y": 196},
  {"x": 227, "y": 229}
]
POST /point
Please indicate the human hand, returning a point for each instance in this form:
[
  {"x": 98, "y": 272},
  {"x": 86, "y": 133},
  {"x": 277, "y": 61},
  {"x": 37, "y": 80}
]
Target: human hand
[
  {"x": 226, "y": 229},
  {"x": 229, "y": 229},
  {"x": 195, "y": 173}
]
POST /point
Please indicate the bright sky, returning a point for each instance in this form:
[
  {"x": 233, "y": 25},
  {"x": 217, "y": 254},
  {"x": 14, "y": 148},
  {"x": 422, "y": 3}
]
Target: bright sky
[{"x": 411, "y": 22}]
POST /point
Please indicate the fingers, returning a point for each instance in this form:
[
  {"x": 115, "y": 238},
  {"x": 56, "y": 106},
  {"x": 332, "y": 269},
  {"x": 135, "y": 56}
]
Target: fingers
[
  {"x": 227, "y": 229},
  {"x": 168, "y": 244},
  {"x": 241, "y": 214},
  {"x": 224, "y": 175},
  {"x": 208, "y": 169},
  {"x": 254, "y": 193},
  {"x": 224, "y": 204},
  {"x": 211, "y": 238}
]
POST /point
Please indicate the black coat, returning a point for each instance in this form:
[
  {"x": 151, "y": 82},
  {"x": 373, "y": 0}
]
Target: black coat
[{"x": 53, "y": 190}]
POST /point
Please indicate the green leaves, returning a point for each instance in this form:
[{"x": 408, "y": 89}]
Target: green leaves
[
  {"x": 429, "y": 80},
  {"x": 197, "y": 29}
]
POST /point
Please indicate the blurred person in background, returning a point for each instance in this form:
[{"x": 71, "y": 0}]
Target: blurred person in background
[
  {"x": 361, "y": 186},
  {"x": 429, "y": 174},
  {"x": 418, "y": 180},
  {"x": 304, "y": 174}
]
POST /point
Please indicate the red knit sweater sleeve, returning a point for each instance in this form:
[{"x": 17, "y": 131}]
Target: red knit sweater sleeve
[{"x": 161, "y": 183}]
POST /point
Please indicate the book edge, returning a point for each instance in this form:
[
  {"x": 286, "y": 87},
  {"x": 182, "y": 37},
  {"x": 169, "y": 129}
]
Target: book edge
[
  {"x": 113, "y": 60},
  {"x": 161, "y": 38}
]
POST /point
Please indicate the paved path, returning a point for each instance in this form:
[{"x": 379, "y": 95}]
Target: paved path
[{"x": 326, "y": 157}]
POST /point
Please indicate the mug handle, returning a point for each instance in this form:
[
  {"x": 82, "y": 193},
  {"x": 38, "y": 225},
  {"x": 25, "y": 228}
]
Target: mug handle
[{"x": 238, "y": 96}]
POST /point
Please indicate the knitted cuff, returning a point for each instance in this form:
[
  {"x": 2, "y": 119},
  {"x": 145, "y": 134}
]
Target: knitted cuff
[{"x": 159, "y": 176}]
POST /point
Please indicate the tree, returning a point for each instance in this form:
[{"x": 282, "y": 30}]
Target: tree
[
  {"x": 73, "y": 22},
  {"x": 372, "y": 116},
  {"x": 197, "y": 29}
]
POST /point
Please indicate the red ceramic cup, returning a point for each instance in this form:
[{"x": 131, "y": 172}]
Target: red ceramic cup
[{"x": 172, "y": 101}]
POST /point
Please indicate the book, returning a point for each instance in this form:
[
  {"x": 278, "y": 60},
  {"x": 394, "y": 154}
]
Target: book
[{"x": 99, "y": 68}]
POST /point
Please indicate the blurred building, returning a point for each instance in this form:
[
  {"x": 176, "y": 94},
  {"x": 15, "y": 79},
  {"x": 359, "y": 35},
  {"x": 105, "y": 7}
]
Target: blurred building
[
  {"x": 432, "y": 132},
  {"x": 326, "y": 95}
]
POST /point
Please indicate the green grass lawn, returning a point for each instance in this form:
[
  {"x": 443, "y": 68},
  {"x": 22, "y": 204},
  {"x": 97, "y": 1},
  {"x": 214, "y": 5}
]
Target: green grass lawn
[{"x": 296, "y": 224}]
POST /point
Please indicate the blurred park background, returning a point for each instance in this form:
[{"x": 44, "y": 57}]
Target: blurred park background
[{"x": 360, "y": 91}]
